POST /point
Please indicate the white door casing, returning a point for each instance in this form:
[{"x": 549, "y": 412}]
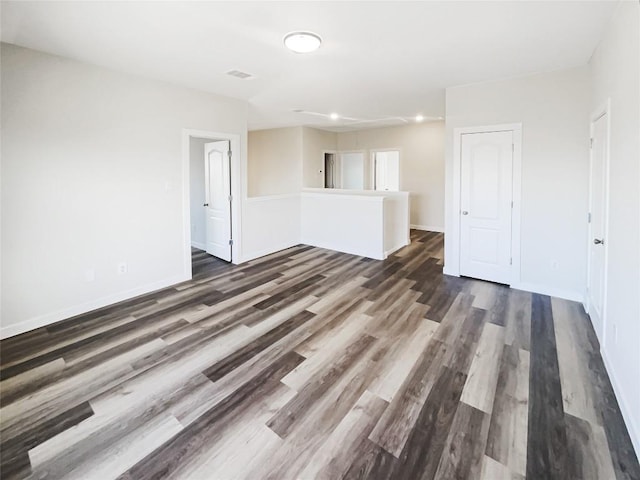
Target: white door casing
[
  {"x": 598, "y": 197},
  {"x": 217, "y": 174},
  {"x": 486, "y": 203}
]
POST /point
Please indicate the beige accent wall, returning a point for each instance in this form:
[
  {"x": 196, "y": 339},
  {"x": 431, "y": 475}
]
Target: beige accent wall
[
  {"x": 421, "y": 165},
  {"x": 274, "y": 161},
  {"x": 284, "y": 160},
  {"x": 314, "y": 143}
]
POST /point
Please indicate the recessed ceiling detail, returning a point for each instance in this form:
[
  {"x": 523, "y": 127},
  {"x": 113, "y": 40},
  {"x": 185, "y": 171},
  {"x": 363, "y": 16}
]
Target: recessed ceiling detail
[
  {"x": 339, "y": 123},
  {"x": 379, "y": 59}
]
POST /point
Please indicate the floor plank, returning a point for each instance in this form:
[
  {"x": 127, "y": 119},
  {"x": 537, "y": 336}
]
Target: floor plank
[
  {"x": 547, "y": 453},
  {"x": 479, "y": 391},
  {"x": 310, "y": 363},
  {"x": 464, "y": 453},
  {"x": 507, "y": 439}
]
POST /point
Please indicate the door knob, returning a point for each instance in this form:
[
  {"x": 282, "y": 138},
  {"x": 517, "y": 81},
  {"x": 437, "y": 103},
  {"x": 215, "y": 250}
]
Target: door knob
[
  {"x": 206, "y": 205},
  {"x": 464, "y": 212},
  {"x": 598, "y": 241}
]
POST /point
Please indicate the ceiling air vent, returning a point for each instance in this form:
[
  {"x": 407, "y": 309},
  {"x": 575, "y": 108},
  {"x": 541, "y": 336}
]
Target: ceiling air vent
[{"x": 239, "y": 74}]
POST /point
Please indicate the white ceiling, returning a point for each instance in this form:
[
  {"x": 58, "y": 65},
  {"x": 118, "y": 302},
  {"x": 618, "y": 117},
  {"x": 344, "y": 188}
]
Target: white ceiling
[{"x": 380, "y": 62}]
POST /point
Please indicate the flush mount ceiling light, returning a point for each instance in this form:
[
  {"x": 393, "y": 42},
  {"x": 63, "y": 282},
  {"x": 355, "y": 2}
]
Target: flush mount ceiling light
[
  {"x": 419, "y": 118},
  {"x": 334, "y": 116},
  {"x": 302, "y": 42}
]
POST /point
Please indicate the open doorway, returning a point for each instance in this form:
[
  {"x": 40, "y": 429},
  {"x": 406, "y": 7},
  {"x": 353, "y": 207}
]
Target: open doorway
[
  {"x": 211, "y": 223},
  {"x": 330, "y": 170},
  {"x": 210, "y": 196}
]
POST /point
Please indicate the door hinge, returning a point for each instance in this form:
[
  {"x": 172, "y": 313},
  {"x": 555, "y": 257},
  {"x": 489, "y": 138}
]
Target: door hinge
[
  {"x": 589, "y": 217},
  {"x": 231, "y": 242},
  {"x": 511, "y": 261},
  {"x": 230, "y": 198},
  {"x": 229, "y": 153},
  {"x": 591, "y": 142},
  {"x": 511, "y": 203}
]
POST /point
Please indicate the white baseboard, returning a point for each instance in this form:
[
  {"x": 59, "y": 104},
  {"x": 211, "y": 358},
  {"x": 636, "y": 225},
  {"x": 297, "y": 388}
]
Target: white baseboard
[
  {"x": 533, "y": 288},
  {"x": 427, "y": 228},
  {"x": 378, "y": 255},
  {"x": 49, "y": 318},
  {"x": 634, "y": 430},
  {"x": 551, "y": 291},
  {"x": 198, "y": 245},
  {"x": 395, "y": 249},
  {"x": 267, "y": 251},
  {"x": 451, "y": 272}
]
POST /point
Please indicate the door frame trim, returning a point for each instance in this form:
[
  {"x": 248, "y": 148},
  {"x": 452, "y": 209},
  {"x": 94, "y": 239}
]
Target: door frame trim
[
  {"x": 236, "y": 189},
  {"x": 453, "y": 265},
  {"x": 602, "y": 110}
]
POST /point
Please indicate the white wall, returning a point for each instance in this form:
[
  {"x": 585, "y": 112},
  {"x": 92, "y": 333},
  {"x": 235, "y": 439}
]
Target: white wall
[
  {"x": 554, "y": 111},
  {"x": 271, "y": 213},
  {"x": 92, "y": 176},
  {"x": 421, "y": 165},
  {"x": 314, "y": 143},
  {"x": 270, "y": 223},
  {"x": 328, "y": 222},
  {"x": 396, "y": 221},
  {"x": 275, "y": 161},
  {"x": 367, "y": 223},
  {"x": 615, "y": 70},
  {"x": 197, "y": 192}
]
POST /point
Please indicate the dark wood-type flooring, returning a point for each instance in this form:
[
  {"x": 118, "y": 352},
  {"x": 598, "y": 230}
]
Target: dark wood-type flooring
[{"x": 313, "y": 364}]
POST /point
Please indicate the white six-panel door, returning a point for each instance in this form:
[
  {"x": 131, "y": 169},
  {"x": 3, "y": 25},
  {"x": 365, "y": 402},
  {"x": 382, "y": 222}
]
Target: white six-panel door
[
  {"x": 597, "y": 208},
  {"x": 217, "y": 174},
  {"x": 486, "y": 200}
]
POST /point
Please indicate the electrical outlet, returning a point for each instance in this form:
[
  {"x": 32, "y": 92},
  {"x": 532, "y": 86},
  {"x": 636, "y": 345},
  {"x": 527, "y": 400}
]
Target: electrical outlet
[{"x": 122, "y": 268}]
